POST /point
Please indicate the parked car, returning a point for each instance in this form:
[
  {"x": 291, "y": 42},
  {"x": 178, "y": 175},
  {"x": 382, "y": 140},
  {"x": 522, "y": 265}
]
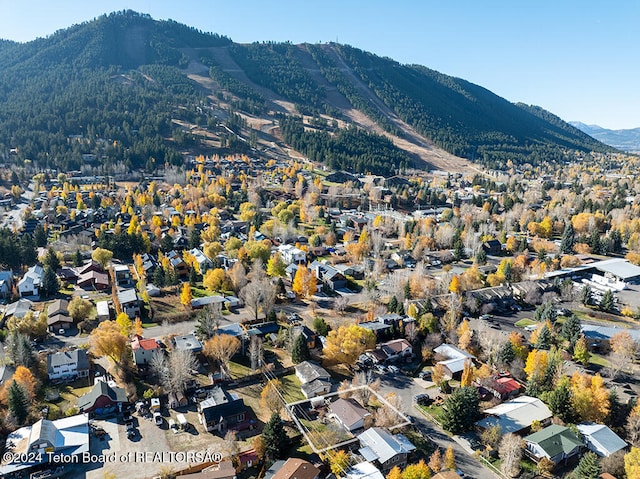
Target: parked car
[
  {"x": 131, "y": 430},
  {"x": 173, "y": 426},
  {"x": 393, "y": 369},
  {"x": 157, "y": 418},
  {"x": 426, "y": 375},
  {"x": 486, "y": 317}
]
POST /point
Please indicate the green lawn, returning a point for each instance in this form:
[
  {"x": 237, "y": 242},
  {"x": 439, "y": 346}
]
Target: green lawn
[
  {"x": 291, "y": 386},
  {"x": 435, "y": 411},
  {"x": 238, "y": 370},
  {"x": 598, "y": 361},
  {"x": 525, "y": 322}
]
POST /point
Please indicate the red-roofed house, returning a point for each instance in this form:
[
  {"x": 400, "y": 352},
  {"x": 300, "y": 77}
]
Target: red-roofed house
[
  {"x": 247, "y": 459},
  {"x": 502, "y": 387},
  {"x": 143, "y": 350}
]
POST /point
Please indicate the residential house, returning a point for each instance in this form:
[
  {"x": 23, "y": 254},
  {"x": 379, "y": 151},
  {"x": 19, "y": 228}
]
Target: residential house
[
  {"x": 58, "y": 315},
  {"x": 130, "y": 303},
  {"x": 501, "y": 387},
  {"x": 89, "y": 266},
  {"x": 292, "y": 468},
  {"x": 492, "y": 247},
  {"x": 6, "y": 372},
  {"x": 104, "y": 312},
  {"x": 149, "y": 265},
  {"x": 364, "y": 470},
  {"x": 93, "y": 280},
  {"x": 102, "y": 398},
  {"x": 18, "y": 309},
  {"x": 247, "y": 459},
  {"x": 600, "y": 439},
  {"x": 355, "y": 271},
  {"x": 385, "y": 449},
  {"x": 556, "y": 443},
  {"x": 198, "y": 303},
  {"x": 221, "y": 470},
  {"x": 349, "y": 414},
  {"x": 31, "y": 282},
  {"x": 188, "y": 342},
  {"x": 516, "y": 415},
  {"x": 292, "y": 255},
  {"x": 143, "y": 350},
  {"x": 68, "y": 365},
  {"x": 397, "y": 349},
  {"x": 178, "y": 264},
  {"x": 203, "y": 262},
  {"x": 331, "y": 278},
  {"x": 314, "y": 378},
  {"x": 122, "y": 274},
  {"x": 454, "y": 359},
  {"x": 222, "y": 411},
  {"x": 308, "y": 335},
  {"x": 64, "y": 437},
  {"x": 6, "y": 284}
]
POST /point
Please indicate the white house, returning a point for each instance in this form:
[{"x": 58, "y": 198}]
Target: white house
[
  {"x": 314, "y": 378},
  {"x": 61, "y": 438},
  {"x": 600, "y": 439},
  {"x": 68, "y": 364},
  {"x": 364, "y": 470},
  {"x": 6, "y": 284},
  {"x": 516, "y": 414},
  {"x": 455, "y": 358},
  {"x": 388, "y": 450},
  {"x": 204, "y": 263},
  {"x": 143, "y": 350},
  {"x": 130, "y": 302},
  {"x": 31, "y": 282},
  {"x": 290, "y": 254}
]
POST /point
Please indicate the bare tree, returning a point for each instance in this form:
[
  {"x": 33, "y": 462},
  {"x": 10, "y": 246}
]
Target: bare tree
[
  {"x": 238, "y": 276},
  {"x": 387, "y": 414},
  {"x": 173, "y": 372},
  {"x": 209, "y": 320},
  {"x": 623, "y": 350},
  {"x": 256, "y": 352},
  {"x": 511, "y": 449},
  {"x": 340, "y": 304},
  {"x": 410, "y": 331},
  {"x": 259, "y": 295},
  {"x": 365, "y": 378}
]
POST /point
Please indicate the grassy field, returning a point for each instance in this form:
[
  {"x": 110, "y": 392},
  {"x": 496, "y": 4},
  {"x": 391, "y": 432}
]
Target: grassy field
[
  {"x": 525, "y": 322},
  {"x": 598, "y": 361}
]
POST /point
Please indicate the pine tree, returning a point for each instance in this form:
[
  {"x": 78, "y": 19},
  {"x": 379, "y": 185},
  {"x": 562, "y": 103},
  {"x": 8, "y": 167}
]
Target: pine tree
[
  {"x": 458, "y": 251},
  {"x": 300, "y": 351},
  {"x": 17, "y": 402},
  {"x": 40, "y": 236},
  {"x": 544, "y": 338},
  {"x": 193, "y": 276},
  {"x": 588, "y": 467},
  {"x": 158, "y": 277},
  {"x": 50, "y": 283},
  {"x": 77, "y": 259},
  {"x": 606, "y": 303},
  {"x": 568, "y": 239},
  {"x": 585, "y": 295},
  {"x": 571, "y": 330},
  {"x": 392, "y": 306},
  {"x": 506, "y": 354},
  {"x": 481, "y": 256},
  {"x": 51, "y": 259},
  {"x": 407, "y": 290},
  {"x": 276, "y": 441}
]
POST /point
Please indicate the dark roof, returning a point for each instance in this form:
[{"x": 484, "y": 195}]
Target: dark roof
[
  {"x": 87, "y": 401},
  {"x": 220, "y": 404}
]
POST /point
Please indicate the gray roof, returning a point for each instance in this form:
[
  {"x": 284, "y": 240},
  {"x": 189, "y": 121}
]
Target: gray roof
[
  {"x": 308, "y": 371},
  {"x": 19, "y": 308},
  {"x": 380, "y": 443},
  {"x": 592, "y": 331},
  {"x": 619, "y": 267},
  {"x": 6, "y": 372},
  {"x": 78, "y": 356},
  {"x": 515, "y": 415},
  {"x": 348, "y": 412},
  {"x": 188, "y": 342},
  {"x": 128, "y": 296},
  {"x": 600, "y": 439}
]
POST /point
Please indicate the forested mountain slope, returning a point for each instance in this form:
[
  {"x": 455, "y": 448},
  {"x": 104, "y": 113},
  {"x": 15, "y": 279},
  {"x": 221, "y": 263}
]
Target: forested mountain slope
[{"x": 122, "y": 87}]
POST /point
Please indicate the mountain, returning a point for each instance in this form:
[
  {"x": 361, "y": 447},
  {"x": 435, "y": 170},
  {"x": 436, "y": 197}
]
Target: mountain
[
  {"x": 625, "y": 140},
  {"x": 129, "y": 90}
]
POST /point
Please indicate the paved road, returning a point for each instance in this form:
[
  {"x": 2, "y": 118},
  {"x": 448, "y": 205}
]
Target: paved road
[
  {"x": 406, "y": 388},
  {"x": 13, "y": 218}
]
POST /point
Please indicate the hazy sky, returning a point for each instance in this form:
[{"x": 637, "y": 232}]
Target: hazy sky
[{"x": 577, "y": 58}]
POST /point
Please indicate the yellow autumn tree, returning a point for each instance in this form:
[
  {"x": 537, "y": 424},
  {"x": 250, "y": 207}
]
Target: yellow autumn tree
[
  {"x": 305, "y": 282},
  {"x": 450, "y": 459},
  {"x": 632, "y": 463},
  {"x": 464, "y": 334},
  {"x": 395, "y": 473},
  {"x": 454, "y": 285},
  {"x": 536, "y": 364},
  {"x": 124, "y": 323},
  {"x": 467, "y": 373},
  {"x": 589, "y": 397},
  {"x": 270, "y": 397},
  {"x": 186, "y": 295},
  {"x": 346, "y": 343}
]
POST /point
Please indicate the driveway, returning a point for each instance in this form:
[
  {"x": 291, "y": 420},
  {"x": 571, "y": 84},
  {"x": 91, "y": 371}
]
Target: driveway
[{"x": 406, "y": 388}]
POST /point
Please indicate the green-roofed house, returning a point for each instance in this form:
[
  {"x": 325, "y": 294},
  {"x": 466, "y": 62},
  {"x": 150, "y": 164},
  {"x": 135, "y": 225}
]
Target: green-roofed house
[{"x": 554, "y": 442}]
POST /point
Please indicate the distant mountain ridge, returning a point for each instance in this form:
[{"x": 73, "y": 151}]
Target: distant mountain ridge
[
  {"x": 157, "y": 90},
  {"x": 626, "y": 139}
]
